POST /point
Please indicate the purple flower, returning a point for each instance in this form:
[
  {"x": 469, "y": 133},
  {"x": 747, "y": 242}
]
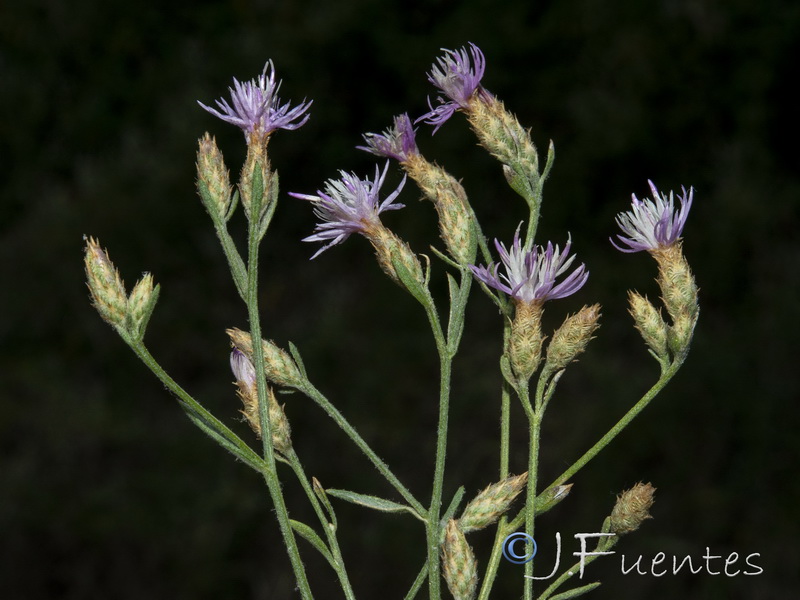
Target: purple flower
[
  {"x": 456, "y": 76},
  {"x": 256, "y": 107},
  {"x": 653, "y": 224},
  {"x": 530, "y": 274},
  {"x": 349, "y": 205},
  {"x": 398, "y": 142},
  {"x": 242, "y": 368}
]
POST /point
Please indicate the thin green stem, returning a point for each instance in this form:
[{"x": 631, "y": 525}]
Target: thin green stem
[
  {"x": 270, "y": 473},
  {"x": 237, "y": 267},
  {"x": 534, "y": 428},
  {"x": 619, "y": 426},
  {"x": 312, "y": 392},
  {"x": 433, "y": 527},
  {"x": 330, "y": 532}
]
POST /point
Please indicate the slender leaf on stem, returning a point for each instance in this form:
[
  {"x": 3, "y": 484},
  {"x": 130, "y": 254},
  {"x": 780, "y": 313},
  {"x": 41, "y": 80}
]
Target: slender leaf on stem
[
  {"x": 415, "y": 587},
  {"x": 454, "y": 504},
  {"x": 575, "y": 592},
  {"x": 311, "y": 536},
  {"x": 373, "y": 502},
  {"x": 249, "y": 458},
  {"x": 297, "y": 359}
]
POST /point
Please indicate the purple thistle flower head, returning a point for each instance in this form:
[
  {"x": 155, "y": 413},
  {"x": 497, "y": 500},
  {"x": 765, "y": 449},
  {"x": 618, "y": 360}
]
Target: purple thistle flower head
[
  {"x": 242, "y": 368},
  {"x": 256, "y": 108},
  {"x": 458, "y": 78},
  {"x": 653, "y": 224},
  {"x": 349, "y": 205},
  {"x": 398, "y": 142},
  {"x": 530, "y": 273}
]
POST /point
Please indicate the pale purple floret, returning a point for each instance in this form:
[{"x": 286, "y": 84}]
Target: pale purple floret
[
  {"x": 398, "y": 142},
  {"x": 530, "y": 274},
  {"x": 242, "y": 368},
  {"x": 653, "y": 224},
  {"x": 459, "y": 78},
  {"x": 349, "y": 205},
  {"x": 256, "y": 108}
]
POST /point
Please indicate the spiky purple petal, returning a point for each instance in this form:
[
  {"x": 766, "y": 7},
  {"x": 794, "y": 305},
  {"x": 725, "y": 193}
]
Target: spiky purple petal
[
  {"x": 530, "y": 274},
  {"x": 256, "y": 108},
  {"x": 653, "y": 224},
  {"x": 398, "y": 142},
  {"x": 349, "y": 205}
]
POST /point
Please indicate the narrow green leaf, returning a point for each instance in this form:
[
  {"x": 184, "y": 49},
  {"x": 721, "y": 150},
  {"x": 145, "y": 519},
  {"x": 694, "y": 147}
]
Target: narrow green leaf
[
  {"x": 407, "y": 279},
  {"x": 421, "y": 577},
  {"x": 245, "y": 454},
  {"x": 297, "y": 359},
  {"x": 373, "y": 502},
  {"x": 232, "y": 207},
  {"x": 319, "y": 491},
  {"x": 308, "y": 534},
  {"x": 454, "y": 504},
  {"x": 574, "y": 593}
]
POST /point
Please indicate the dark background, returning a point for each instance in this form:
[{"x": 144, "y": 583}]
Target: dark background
[{"x": 106, "y": 489}]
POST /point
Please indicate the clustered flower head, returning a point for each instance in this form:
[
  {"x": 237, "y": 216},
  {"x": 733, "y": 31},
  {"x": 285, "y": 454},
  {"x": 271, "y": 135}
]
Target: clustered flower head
[
  {"x": 459, "y": 78},
  {"x": 653, "y": 224},
  {"x": 530, "y": 273},
  {"x": 398, "y": 142},
  {"x": 349, "y": 205},
  {"x": 256, "y": 108}
]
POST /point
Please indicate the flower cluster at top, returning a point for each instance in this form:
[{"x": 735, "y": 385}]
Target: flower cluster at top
[
  {"x": 256, "y": 109},
  {"x": 349, "y": 205},
  {"x": 530, "y": 273},
  {"x": 653, "y": 224},
  {"x": 352, "y": 205}
]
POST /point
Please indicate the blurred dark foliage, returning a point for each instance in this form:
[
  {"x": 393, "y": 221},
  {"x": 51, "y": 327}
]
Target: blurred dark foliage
[{"x": 107, "y": 491}]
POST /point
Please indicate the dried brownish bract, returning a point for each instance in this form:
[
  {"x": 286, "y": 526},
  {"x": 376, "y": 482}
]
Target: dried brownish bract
[
  {"x": 459, "y": 567},
  {"x": 649, "y": 322},
  {"x": 213, "y": 177},
  {"x": 490, "y": 504},
  {"x": 632, "y": 508}
]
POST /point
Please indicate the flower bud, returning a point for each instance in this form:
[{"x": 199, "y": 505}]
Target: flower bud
[
  {"x": 501, "y": 134},
  {"x": 459, "y": 567},
  {"x": 245, "y": 375},
  {"x": 632, "y": 508},
  {"x": 141, "y": 303},
  {"x": 213, "y": 179},
  {"x": 572, "y": 337},
  {"x": 279, "y": 367},
  {"x": 526, "y": 339},
  {"x": 105, "y": 284},
  {"x": 491, "y": 503},
  {"x": 649, "y": 323},
  {"x": 450, "y": 201}
]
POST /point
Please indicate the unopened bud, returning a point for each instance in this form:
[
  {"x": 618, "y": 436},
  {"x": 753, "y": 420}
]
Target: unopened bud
[
  {"x": 279, "y": 367},
  {"x": 141, "y": 303},
  {"x": 459, "y": 567},
  {"x": 213, "y": 179},
  {"x": 501, "y": 134},
  {"x": 490, "y": 504},
  {"x": 572, "y": 337},
  {"x": 105, "y": 284},
  {"x": 632, "y": 508},
  {"x": 649, "y": 322},
  {"x": 450, "y": 200},
  {"x": 245, "y": 375},
  {"x": 526, "y": 339}
]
